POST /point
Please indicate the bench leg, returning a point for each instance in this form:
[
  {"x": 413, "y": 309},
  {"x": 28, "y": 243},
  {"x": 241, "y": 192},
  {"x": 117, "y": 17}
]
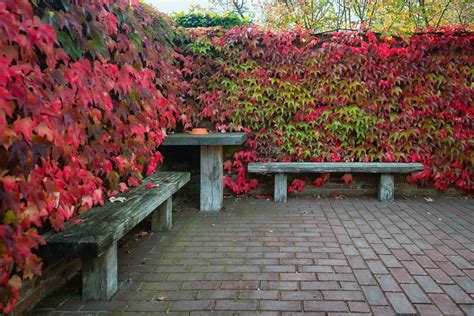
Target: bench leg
[
  {"x": 281, "y": 190},
  {"x": 387, "y": 188},
  {"x": 99, "y": 276},
  {"x": 212, "y": 181},
  {"x": 161, "y": 219}
]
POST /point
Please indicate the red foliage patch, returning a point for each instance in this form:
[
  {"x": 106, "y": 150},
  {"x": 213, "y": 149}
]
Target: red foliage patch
[
  {"x": 296, "y": 185},
  {"x": 348, "y": 96},
  {"x": 82, "y": 112}
]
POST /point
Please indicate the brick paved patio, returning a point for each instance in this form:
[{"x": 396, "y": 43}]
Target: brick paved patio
[{"x": 307, "y": 256}]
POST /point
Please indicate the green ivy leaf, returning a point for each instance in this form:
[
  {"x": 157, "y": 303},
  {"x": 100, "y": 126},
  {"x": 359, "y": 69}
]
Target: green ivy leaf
[
  {"x": 136, "y": 41},
  {"x": 70, "y": 45},
  {"x": 97, "y": 45},
  {"x": 10, "y": 218}
]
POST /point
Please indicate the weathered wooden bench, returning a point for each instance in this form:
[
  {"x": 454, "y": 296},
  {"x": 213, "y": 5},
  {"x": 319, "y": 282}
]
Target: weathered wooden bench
[
  {"x": 94, "y": 235},
  {"x": 386, "y": 191}
]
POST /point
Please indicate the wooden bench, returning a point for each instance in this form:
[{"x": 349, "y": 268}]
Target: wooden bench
[
  {"x": 94, "y": 235},
  {"x": 386, "y": 169}
]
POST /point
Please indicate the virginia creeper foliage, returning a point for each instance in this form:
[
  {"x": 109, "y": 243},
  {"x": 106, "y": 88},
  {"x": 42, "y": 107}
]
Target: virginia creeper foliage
[
  {"x": 86, "y": 90},
  {"x": 349, "y": 96}
]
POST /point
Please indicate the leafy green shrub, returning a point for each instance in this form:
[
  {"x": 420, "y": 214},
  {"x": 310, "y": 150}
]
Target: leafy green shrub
[{"x": 203, "y": 19}]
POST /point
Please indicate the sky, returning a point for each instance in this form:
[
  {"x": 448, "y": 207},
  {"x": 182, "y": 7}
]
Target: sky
[{"x": 171, "y": 6}]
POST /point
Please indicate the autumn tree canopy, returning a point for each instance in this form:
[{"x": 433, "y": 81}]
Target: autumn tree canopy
[{"x": 378, "y": 15}]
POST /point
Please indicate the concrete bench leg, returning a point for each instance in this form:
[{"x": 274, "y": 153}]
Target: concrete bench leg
[
  {"x": 387, "y": 188},
  {"x": 212, "y": 180},
  {"x": 99, "y": 275},
  {"x": 162, "y": 218},
  {"x": 281, "y": 190}
]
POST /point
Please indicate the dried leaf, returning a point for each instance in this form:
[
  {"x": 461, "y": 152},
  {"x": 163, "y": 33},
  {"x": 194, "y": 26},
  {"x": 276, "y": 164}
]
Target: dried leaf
[
  {"x": 114, "y": 199},
  {"x": 337, "y": 196},
  {"x": 142, "y": 234}
]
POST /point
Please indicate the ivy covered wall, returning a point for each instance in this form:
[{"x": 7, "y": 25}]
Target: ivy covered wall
[
  {"x": 349, "y": 96},
  {"x": 88, "y": 88}
]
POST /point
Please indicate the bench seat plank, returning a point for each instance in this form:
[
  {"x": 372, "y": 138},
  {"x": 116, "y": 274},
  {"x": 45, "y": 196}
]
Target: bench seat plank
[
  {"x": 103, "y": 226},
  {"x": 327, "y": 167},
  {"x": 212, "y": 139}
]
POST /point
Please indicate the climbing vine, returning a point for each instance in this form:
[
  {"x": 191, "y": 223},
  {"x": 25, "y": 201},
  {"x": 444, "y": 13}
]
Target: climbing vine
[
  {"x": 349, "y": 96},
  {"x": 86, "y": 90}
]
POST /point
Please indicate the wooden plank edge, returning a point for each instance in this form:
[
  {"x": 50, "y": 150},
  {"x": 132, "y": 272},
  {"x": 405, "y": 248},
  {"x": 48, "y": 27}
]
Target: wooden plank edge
[{"x": 90, "y": 249}]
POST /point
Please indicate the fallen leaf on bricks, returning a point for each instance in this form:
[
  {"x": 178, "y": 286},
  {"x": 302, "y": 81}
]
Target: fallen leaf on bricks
[
  {"x": 142, "y": 234},
  {"x": 336, "y": 196}
]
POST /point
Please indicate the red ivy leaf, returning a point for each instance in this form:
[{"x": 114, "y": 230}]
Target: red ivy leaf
[
  {"x": 228, "y": 166},
  {"x": 347, "y": 178},
  {"x": 25, "y": 127},
  {"x": 296, "y": 185},
  {"x": 321, "y": 180},
  {"x": 44, "y": 131}
]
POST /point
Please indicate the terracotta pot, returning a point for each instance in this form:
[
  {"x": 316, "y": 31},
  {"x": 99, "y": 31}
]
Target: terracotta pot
[{"x": 199, "y": 131}]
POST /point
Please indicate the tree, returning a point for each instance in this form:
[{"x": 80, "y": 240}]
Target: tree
[
  {"x": 240, "y": 7},
  {"x": 463, "y": 12},
  {"x": 378, "y": 15}
]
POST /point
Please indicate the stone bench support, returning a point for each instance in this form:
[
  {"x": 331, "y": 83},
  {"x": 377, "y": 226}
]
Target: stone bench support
[
  {"x": 99, "y": 275},
  {"x": 281, "y": 187},
  {"x": 212, "y": 183},
  {"x": 387, "y": 188},
  {"x": 162, "y": 218}
]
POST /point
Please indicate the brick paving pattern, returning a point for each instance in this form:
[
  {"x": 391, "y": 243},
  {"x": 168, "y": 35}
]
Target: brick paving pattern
[{"x": 308, "y": 256}]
